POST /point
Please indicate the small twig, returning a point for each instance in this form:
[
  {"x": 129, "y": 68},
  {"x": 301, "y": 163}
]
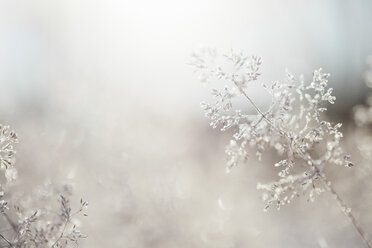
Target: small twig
[
  {"x": 6, "y": 240},
  {"x": 65, "y": 226},
  {"x": 62, "y": 233},
  {"x": 347, "y": 211},
  {"x": 261, "y": 113}
]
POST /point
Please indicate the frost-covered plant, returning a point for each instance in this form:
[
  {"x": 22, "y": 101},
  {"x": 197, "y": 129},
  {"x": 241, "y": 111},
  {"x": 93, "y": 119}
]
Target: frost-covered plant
[
  {"x": 363, "y": 113},
  {"x": 293, "y": 125},
  {"x": 43, "y": 219},
  {"x": 7, "y": 154}
]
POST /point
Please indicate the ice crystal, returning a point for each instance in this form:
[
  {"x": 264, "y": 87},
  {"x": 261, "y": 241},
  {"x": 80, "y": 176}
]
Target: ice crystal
[{"x": 292, "y": 125}]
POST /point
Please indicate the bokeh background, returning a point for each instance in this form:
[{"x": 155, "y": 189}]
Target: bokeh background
[{"x": 102, "y": 97}]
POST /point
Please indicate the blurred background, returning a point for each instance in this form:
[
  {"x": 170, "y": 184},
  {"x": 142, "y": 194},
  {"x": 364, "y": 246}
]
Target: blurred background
[{"x": 102, "y": 97}]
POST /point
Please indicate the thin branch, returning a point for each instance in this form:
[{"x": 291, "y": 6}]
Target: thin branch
[
  {"x": 62, "y": 233},
  {"x": 68, "y": 220},
  {"x": 346, "y": 210},
  {"x": 6, "y": 240},
  {"x": 261, "y": 113}
]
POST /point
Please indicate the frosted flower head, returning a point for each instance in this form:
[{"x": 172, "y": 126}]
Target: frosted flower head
[
  {"x": 7, "y": 153},
  {"x": 293, "y": 125}
]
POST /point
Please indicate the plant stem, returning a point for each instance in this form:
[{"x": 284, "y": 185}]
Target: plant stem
[
  {"x": 346, "y": 210},
  {"x": 10, "y": 244},
  {"x": 62, "y": 233},
  {"x": 262, "y": 114}
]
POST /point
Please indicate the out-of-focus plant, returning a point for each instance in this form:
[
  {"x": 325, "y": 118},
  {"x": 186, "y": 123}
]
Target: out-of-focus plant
[
  {"x": 363, "y": 120},
  {"x": 43, "y": 219},
  {"x": 293, "y": 125}
]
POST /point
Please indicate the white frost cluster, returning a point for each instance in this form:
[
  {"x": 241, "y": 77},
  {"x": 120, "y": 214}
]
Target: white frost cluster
[
  {"x": 292, "y": 125},
  {"x": 43, "y": 220},
  {"x": 7, "y": 154}
]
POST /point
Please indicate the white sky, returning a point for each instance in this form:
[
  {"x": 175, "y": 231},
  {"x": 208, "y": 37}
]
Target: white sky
[{"x": 142, "y": 47}]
